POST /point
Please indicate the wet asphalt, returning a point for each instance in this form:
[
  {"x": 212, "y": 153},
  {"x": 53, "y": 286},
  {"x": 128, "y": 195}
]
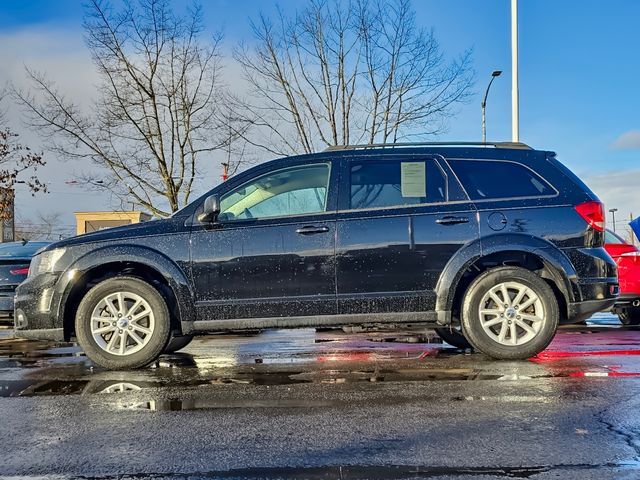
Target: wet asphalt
[{"x": 321, "y": 405}]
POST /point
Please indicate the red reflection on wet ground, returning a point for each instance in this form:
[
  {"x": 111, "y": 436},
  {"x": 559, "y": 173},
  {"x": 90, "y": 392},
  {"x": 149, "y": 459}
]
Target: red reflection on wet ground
[
  {"x": 573, "y": 353},
  {"x": 570, "y": 351}
]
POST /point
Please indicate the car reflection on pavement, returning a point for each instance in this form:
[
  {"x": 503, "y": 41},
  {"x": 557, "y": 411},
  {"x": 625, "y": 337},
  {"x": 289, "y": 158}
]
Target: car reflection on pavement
[{"x": 281, "y": 357}]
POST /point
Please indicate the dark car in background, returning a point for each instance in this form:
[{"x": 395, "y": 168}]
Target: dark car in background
[
  {"x": 15, "y": 258},
  {"x": 494, "y": 244}
]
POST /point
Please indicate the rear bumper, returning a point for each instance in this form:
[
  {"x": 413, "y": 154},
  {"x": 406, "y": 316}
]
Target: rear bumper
[
  {"x": 595, "y": 283},
  {"x": 6, "y": 304},
  {"x": 579, "y": 312}
]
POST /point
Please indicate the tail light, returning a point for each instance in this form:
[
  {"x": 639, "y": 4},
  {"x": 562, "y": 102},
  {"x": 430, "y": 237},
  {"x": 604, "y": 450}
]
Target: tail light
[
  {"x": 593, "y": 214},
  {"x": 19, "y": 271}
]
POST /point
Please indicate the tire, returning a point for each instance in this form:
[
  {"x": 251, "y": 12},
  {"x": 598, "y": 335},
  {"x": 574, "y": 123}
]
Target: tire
[
  {"x": 144, "y": 337},
  {"x": 453, "y": 336},
  {"x": 630, "y": 316},
  {"x": 492, "y": 333},
  {"x": 177, "y": 343}
]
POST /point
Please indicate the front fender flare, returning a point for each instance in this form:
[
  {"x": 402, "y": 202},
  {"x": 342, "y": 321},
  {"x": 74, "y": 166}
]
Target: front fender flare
[{"x": 150, "y": 258}]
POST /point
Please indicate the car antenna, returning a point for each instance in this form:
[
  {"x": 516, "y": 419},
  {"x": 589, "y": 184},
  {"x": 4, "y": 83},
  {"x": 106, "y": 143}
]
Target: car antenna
[{"x": 24, "y": 241}]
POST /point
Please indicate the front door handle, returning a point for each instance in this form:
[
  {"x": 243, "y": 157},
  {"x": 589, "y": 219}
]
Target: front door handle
[
  {"x": 312, "y": 229},
  {"x": 451, "y": 220}
]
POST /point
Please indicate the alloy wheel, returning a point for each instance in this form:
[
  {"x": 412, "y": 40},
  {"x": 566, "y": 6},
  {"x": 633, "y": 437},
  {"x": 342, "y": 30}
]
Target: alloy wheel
[
  {"x": 122, "y": 323},
  {"x": 511, "y": 313}
]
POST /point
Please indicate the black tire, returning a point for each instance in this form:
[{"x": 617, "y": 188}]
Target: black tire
[
  {"x": 482, "y": 341},
  {"x": 177, "y": 343},
  {"x": 630, "y": 316},
  {"x": 153, "y": 346},
  {"x": 453, "y": 336}
]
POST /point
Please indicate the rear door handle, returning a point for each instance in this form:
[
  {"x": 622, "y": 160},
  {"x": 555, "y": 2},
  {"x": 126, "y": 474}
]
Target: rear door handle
[
  {"x": 450, "y": 220},
  {"x": 312, "y": 229}
]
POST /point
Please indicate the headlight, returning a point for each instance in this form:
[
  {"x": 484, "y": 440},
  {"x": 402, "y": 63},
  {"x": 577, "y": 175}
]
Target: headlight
[{"x": 45, "y": 262}]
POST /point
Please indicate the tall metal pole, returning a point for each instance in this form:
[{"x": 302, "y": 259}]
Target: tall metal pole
[
  {"x": 496, "y": 73},
  {"x": 613, "y": 217},
  {"x": 515, "y": 113}
]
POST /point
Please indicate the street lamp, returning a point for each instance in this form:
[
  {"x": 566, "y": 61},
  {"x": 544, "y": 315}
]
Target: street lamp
[
  {"x": 613, "y": 219},
  {"x": 494, "y": 74}
]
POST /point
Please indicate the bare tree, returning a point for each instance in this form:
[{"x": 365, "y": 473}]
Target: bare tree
[
  {"x": 43, "y": 227},
  {"x": 155, "y": 118},
  {"x": 16, "y": 162},
  {"x": 343, "y": 72}
]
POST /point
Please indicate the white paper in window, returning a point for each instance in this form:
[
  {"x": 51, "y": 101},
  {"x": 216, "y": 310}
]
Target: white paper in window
[{"x": 413, "y": 179}]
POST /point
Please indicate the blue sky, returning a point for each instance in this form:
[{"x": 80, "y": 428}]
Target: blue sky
[{"x": 579, "y": 74}]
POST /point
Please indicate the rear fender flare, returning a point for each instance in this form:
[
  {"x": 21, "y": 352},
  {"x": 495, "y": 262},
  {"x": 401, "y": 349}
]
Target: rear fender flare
[{"x": 553, "y": 259}]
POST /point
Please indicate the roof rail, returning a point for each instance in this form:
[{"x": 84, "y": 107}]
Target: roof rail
[{"x": 519, "y": 145}]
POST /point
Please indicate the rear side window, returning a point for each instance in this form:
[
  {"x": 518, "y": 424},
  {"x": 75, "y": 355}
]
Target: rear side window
[
  {"x": 487, "y": 179},
  {"x": 388, "y": 183}
]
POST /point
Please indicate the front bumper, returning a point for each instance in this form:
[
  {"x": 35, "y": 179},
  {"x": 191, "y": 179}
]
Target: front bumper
[{"x": 36, "y": 312}]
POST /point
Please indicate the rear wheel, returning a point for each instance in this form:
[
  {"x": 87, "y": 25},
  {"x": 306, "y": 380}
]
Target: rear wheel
[
  {"x": 453, "y": 336},
  {"x": 509, "y": 313},
  {"x": 122, "y": 323},
  {"x": 177, "y": 343},
  {"x": 630, "y": 316}
]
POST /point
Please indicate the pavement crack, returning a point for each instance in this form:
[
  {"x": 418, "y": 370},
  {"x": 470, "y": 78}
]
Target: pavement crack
[{"x": 630, "y": 438}]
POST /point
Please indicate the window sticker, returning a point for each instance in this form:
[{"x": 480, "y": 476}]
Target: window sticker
[{"x": 413, "y": 179}]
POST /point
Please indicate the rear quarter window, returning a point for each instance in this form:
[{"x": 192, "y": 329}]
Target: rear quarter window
[{"x": 491, "y": 179}]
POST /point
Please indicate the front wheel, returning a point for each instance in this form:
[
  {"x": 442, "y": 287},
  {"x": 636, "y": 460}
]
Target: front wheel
[
  {"x": 510, "y": 313},
  {"x": 123, "y": 322}
]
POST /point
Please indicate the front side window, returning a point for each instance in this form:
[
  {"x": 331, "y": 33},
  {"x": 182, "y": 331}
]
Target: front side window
[
  {"x": 290, "y": 191},
  {"x": 377, "y": 184},
  {"x": 491, "y": 179}
]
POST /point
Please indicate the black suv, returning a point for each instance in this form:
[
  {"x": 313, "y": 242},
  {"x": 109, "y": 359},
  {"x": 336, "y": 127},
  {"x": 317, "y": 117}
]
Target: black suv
[{"x": 493, "y": 245}]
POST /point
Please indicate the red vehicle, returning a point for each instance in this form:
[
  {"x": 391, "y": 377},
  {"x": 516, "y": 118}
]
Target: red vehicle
[{"x": 627, "y": 257}]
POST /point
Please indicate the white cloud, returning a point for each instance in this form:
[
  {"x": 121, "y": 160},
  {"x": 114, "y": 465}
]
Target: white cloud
[
  {"x": 621, "y": 190},
  {"x": 627, "y": 141}
]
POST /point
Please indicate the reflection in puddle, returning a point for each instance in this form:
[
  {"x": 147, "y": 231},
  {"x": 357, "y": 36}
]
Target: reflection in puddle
[
  {"x": 291, "y": 357},
  {"x": 208, "y": 404}
]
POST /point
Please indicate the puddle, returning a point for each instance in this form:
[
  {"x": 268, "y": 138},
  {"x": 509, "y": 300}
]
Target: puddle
[
  {"x": 42, "y": 387},
  {"x": 208, "y": 404},
  {"x": 281, "y": 357}
]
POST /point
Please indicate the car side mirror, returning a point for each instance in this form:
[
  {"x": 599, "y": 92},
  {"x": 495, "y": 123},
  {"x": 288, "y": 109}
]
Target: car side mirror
[{"x": 211, "y": 209}]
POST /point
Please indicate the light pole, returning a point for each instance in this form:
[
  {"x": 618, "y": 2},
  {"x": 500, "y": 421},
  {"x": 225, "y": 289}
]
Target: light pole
[
  {"x": 494, "y": 74},
  {"x": 613, "y": 217},
  {"x": 515, "y": 107}
]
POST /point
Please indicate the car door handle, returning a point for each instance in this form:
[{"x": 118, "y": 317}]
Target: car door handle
[
  {"x": 450, "y": 220},
  {"x": 311, "y": 230}
]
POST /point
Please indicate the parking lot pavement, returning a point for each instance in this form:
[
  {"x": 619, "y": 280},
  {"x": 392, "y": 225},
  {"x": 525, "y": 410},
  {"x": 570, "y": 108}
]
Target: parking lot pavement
[{"x": 307, "y": 404}]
